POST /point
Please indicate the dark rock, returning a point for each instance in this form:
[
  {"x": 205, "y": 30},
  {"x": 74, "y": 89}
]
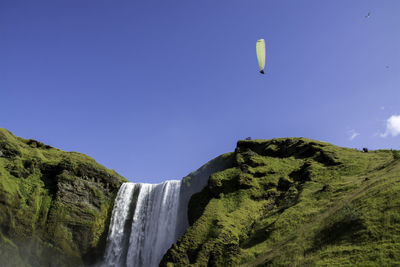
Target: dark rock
[
  {"x": 284, "y": 183},
  {"x": 326, "y": 188},
  {"x": 303, "y": 174}
]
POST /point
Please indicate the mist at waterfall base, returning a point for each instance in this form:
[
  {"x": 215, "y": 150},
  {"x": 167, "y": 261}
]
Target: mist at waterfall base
[{"x": 144, "y": 224}]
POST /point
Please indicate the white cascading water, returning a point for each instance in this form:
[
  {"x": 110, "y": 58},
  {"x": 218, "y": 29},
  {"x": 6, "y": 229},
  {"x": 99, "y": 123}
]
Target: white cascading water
[{"x": 143, "y": 224}]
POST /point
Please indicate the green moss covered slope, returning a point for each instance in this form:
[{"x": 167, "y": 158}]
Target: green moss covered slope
[
  {"x": 296, "y": 202},
  {"x": 54, "y": 205}
]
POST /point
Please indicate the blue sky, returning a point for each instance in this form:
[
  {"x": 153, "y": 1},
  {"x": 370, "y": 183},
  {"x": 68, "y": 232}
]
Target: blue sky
[{"x": 154, "y": 89}]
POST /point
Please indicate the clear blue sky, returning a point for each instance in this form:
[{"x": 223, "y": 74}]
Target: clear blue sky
[{"x": 154, "y": 89}]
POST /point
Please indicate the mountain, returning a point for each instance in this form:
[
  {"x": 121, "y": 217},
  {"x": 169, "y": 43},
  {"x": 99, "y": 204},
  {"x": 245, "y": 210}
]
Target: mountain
[
  {"x": 278, "y": 202},
  {"x": 55, "y": 206},
  {"x": 295, "y": 202}
]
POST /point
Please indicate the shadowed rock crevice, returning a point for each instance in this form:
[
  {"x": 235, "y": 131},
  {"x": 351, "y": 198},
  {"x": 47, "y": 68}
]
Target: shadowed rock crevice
[{"x": 49, "y": 177}]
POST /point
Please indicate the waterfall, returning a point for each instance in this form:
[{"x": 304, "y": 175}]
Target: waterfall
[{"x": 143, "y": 224}]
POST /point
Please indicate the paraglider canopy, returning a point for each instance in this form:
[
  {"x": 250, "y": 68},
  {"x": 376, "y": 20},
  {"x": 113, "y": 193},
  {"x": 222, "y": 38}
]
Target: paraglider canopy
[{"x": 260, "y": 47}]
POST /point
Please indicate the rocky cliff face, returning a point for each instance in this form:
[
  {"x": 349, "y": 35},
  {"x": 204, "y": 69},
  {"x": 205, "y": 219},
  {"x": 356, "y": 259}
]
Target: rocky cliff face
[
  {"x": 55, "y": 206},
  {"x": 295, "y": 201}
]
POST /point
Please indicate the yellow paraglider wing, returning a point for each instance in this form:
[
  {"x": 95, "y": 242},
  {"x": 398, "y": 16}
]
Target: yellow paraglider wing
[{"x": 260, "y": 47}]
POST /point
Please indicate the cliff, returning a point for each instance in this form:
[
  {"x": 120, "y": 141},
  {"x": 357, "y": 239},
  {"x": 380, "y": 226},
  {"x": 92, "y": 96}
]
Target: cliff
[
  {"x": 295, "y": 202},
  {"x": 279, "y": 202},
  {"x": 55, "y": 206},
  {"x": 195, "y": 182}
]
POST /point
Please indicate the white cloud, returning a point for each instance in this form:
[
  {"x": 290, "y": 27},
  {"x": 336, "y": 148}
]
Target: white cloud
[
  {"x": 353, "y": 134},
  {"x": 392, "y": 126}
]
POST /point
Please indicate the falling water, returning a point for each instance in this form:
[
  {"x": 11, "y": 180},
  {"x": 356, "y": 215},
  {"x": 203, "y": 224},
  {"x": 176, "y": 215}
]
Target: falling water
[{"x": 143, "y": 224}]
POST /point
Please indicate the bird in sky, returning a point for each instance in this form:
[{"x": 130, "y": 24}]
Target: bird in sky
[{"x": 368, "y": 15}]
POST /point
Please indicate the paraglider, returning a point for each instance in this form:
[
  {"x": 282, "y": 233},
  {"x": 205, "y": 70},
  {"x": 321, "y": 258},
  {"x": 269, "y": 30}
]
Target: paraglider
[{"x": 260, "y": 47}]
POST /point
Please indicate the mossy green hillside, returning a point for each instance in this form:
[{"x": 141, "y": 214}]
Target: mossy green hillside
[
  {"x": 54, "y": 205},
  {"x": 295, "y": 202},
  {"x": 195, "y": 182}
]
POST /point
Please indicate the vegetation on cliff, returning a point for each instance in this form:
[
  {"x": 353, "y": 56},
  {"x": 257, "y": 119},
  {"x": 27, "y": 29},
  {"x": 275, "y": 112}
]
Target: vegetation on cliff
[
  {"x": 279, "y": 202},
  {"x": 54, "y": 205},
  {"x": 295, "y": 201},
  {"x": 195, "y": 181}
]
